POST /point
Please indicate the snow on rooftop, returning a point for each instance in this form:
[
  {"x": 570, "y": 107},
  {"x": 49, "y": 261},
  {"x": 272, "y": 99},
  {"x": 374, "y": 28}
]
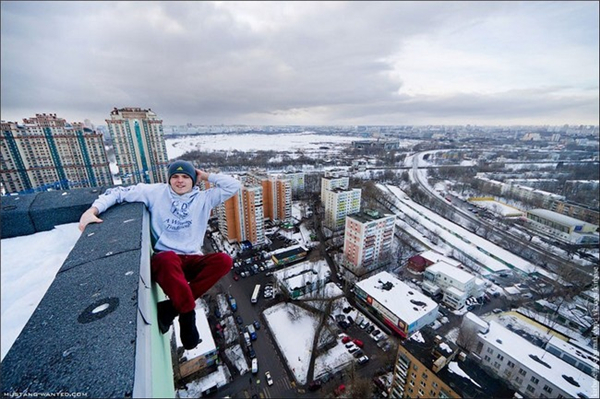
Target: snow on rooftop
[
  {"x": 456, "y": 273},
  {"x": 455, "y": 368},
  {"x": 401, "y": 299},
  {"x": 418, "y": 337},
  {"x": 300, "y": 274},
  {"x": 498, "y": 208},
  {"x": 558, "y": 217},
  {"x": 483, "y": 325},
  {"x": 195, "y": 389},
  {"x": 521, "y": 350},
  {"x": 29, "y": 265}
]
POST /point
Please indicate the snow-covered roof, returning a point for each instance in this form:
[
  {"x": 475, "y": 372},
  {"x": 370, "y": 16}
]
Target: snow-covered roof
[
  {"x": 482, "y": 324},
  {"x": 449, "y": 270},
  {"x": 557, "y": 217},
  {"x": 436, "y": 257},
  {"x": 301, "y": 273},
  {"x": 400, "y": 299},
  {"x": 582, "y": 355},
  {"x": 553, "y": 368}
]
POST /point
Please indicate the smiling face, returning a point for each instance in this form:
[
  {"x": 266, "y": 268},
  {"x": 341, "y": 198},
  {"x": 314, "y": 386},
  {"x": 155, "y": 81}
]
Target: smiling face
[{"x": 181, "y": 183}]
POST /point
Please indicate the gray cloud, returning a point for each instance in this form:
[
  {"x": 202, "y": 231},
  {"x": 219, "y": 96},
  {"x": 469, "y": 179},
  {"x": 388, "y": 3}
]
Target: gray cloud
[{"x": 304, "y": 63}]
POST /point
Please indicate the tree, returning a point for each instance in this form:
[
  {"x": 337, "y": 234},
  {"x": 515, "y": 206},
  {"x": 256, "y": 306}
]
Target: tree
[{"x": 467, "y": 338}]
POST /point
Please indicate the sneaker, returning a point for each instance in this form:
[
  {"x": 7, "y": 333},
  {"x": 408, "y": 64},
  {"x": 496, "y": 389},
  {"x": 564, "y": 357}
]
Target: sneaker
[
  {"x": 166, "y": 315},
  {"x": 190, "y": 338}
]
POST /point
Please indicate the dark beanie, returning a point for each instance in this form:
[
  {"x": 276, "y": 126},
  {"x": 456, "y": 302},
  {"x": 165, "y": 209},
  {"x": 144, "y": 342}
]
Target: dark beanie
[{"x": 183, "y": 167}]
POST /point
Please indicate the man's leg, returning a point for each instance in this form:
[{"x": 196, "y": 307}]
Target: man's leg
[
  {"x": 203, "y": 271},
  {"x": 167, "y": 271}
]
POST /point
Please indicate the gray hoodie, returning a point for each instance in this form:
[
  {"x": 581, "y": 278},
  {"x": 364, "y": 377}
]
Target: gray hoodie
[{"x": 178, "y": 222}]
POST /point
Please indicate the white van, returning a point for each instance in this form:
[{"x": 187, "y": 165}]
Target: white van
[{"x": 254, "y": 366}]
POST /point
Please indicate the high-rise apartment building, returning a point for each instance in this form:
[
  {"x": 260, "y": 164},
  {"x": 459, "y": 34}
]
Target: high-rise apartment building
[
  {"x": 279, "y": 206},
  {"x": 277, "y": 195},
  {"x": 296, "y": 180},
  {"x": 241, "y": 217},
  {"x": 332, "y": 182},
  {"x": 338, "y": 204},
  {"x": 47, "y": 152},
  {"x": 368, "y": 239},
  {"x": 139, "y": 145}
]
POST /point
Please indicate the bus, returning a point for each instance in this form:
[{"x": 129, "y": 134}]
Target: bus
[{"x": 254, "y": 298}]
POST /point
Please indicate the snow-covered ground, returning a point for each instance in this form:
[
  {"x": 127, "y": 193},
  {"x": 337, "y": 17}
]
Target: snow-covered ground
[
  {"x": 308, "y": 142},
  {"x": 459, "y": 237},
  {"x": 293, "y": 329},
  {"x": 26, "y": 274}
]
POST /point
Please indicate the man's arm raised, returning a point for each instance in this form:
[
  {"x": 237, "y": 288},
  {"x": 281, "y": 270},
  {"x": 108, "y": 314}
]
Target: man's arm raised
[{"x": 89, "y": 216}]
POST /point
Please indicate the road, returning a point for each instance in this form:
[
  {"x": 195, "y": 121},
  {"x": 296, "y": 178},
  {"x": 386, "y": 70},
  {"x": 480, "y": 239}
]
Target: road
[{"x": 269, "y": 356}]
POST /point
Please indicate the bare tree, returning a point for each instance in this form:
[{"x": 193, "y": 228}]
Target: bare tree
[{"x": 467, "y": 338}]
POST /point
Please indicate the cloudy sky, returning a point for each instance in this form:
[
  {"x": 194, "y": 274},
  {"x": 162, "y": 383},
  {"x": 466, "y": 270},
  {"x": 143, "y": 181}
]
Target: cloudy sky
[{"x": 308, "y": 63}]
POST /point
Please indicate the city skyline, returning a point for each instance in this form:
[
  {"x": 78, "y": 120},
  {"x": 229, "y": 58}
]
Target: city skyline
[{"x": 309, "y": 63}]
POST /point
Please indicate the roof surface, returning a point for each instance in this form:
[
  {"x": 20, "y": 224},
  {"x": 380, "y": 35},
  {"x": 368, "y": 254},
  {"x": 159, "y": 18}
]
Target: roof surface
[{"x": 402, "y": 300}]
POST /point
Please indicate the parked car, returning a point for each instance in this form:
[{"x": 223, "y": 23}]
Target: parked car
[
  {"x": 357, "y": 342},
  {"x": 358, "y": 353},
  {"x": 256, "y": 324},
  {"x": 363, "y": 359},
  {"x": 346, "y": 339},
  {"x": 254, "y": 366},
  {"x": 251, "y": 352},
  {"x": 370, "y": 329},
  {"x": 239, "y": 320},
  {"x": 376, "y": 333}
]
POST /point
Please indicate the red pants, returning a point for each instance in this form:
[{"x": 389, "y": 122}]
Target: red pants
[{"x": 187, "y": 277}]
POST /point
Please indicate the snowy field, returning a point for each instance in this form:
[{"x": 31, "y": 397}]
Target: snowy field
[
  {"x": 256, "y": 142},
  {"x": 26, "y": 274}
]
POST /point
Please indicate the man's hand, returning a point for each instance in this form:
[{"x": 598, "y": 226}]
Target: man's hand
[
  {"x": 201, "y": 175},
  {"x": 89, "y": 216}
]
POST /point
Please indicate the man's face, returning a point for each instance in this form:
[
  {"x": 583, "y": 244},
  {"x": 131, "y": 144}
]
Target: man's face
[{"x": 181, "y": 183}]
